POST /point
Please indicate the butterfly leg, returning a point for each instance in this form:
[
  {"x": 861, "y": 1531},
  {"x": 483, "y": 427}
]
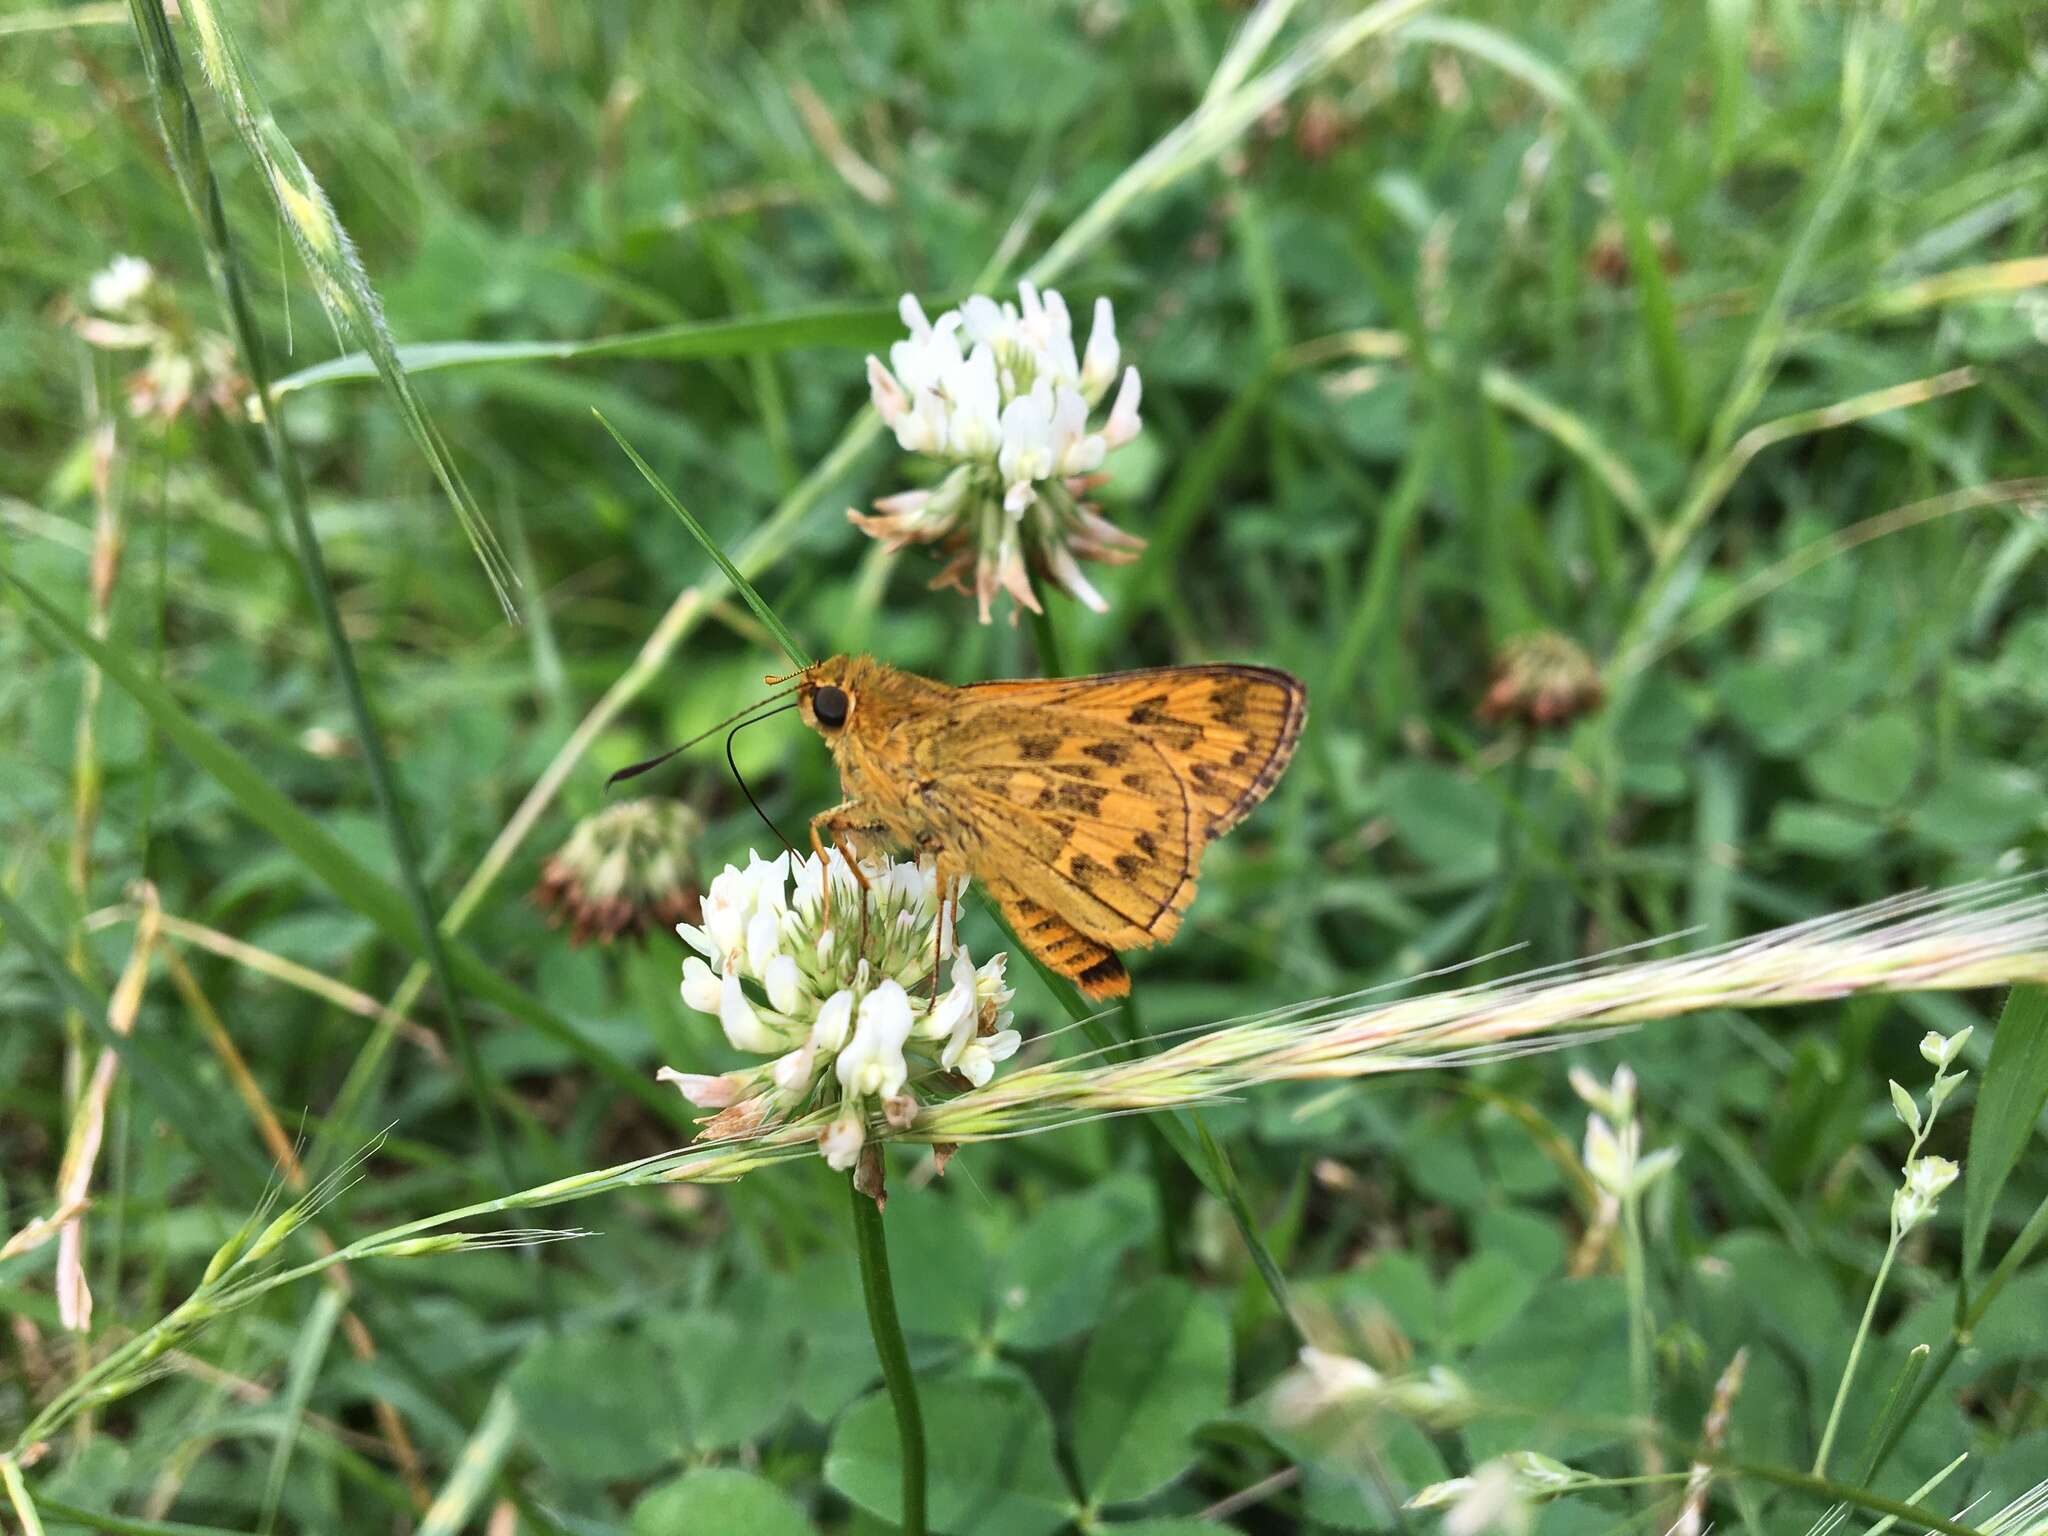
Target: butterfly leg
[
  {"x": 950, "y": 876},
  {"x": 842, "y": 823}
]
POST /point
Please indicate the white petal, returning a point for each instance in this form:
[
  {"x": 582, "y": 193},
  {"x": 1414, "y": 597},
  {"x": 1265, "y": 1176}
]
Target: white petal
[
  {"x": 834, "y": 1021},
  {"x": 792, "y": 1073},
  {"x": 783, "y": 983},
  {"x": 1098, "y": 363},
  {"x": 889, "y": 397},
  {"x": 704, "y": 1092},
  {"x": 764, "y": 941},
  {"x": 701, "y": 985},
  {"x": 743, "y": 1027},
  {"x": 697, "y": 939},
  {"x": 1123, "y": 413}
]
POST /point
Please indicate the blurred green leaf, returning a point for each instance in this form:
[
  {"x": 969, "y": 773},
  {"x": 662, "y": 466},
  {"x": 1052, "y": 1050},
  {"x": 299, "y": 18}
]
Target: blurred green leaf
[
  {"x": 989, "y": 1458},
  {"x": 732, "y": 1375},
  {"x": 595, "y": 1405},
  {"x": 1559, "y": 1376},
  {"x": 2010, "y": 1096},
  {"x": 1869, "y": 763},
  {"x": 1483, "y": 1296},
  {"x": 1825, "y": 831},
  {"x": 1157, "y": 1367},
  {"x": 1055, "y": 1276},
  {"x": 721, "y": 1500}
]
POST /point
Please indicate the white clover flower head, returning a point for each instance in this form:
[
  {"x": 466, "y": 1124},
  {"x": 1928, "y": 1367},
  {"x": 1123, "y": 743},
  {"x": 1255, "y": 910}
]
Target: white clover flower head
[
  {"x": 998, "y": 391},
  {"x": 624, "y": 872},
  {"x": 120, "y": 285},
  {"x": 184, "y": 366},
  {"x": 1919, "y": 1195},
  {"x": 836, "y": 987}
]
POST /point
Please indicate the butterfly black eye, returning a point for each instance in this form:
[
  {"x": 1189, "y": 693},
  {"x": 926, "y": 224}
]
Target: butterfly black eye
[{"x": 829, "y": 705}]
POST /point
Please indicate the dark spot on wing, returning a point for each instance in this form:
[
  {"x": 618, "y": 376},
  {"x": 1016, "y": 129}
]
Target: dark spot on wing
[
  {"x": 1145, "y": 844},
  {"x": 1109, "y": 753},
  {"x": 1149, "y": 711},
  {"x": 1037, "y": 749},
  {"x": 1081, "y": 799},
  {"x": 1137, "y": 781},
  {"x": 1129, "y": 865}
]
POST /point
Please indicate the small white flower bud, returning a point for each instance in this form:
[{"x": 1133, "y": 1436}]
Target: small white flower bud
[
  {"x": 842, "y": 1140},
  {"x": 1908, "y": 1111}
]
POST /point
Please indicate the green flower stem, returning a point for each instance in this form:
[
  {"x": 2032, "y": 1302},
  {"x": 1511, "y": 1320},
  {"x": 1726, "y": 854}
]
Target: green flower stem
[
  {"x": 873, "y": 1245},
  {"x": 1642, "y": 1378},
  {"x": 1891, "y": 1252},
  {"x": 1827, "y": 1438},
  {"x": 1043, "y": 635}
]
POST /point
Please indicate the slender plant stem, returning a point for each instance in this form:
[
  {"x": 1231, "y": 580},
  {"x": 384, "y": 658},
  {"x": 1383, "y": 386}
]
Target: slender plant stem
[
  {"x": 1044, "y": 636},
  {"x": 1827, "y": 1436},
  {"x": 1843, "y": 1493},
  {"x": 17, "y": 1495},
  {"x": 178, "y": 117},
  {"x": 873, "y": 1245},
  {"x": 1642, "y": 1381}
]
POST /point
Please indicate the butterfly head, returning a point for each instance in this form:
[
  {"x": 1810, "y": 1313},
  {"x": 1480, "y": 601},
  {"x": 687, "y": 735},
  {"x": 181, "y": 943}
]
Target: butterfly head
[{"x": 829, "y": 696}]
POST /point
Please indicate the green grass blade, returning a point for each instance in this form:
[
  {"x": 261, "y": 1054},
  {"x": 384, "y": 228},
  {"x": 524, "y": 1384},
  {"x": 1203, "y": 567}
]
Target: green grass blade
[
  {"x": 127, "y": 1525},
  {"x": 177, "y": 117},
  {"x": 178, "y": 1100},
  {"x": 1646, "y": 267},
  {"x": 702, "y": 535},
  {"x": 329, "y": 255},
  {"x": 475, "y": 1469},
  {"x": 2009, "y": 1101},
  {"x": 321, "y": 853},
  {"x": 307, "y": 1356},
  {"x": 862, "y": 326}
]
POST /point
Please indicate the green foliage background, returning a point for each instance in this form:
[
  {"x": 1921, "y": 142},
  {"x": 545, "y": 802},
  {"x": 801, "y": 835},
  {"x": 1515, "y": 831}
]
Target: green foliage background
[{"x": 1557, "y": 317}]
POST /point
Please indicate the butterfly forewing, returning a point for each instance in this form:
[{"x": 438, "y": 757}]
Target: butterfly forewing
[
  {"x": 1226, "y": 731},
  {"x": 1097, "y": 795}
]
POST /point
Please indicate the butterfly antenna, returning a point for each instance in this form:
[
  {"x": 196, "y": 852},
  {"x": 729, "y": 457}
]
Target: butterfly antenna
[
  {"x": 651, "y": 763},
  {"x": 737, "y": 779}
]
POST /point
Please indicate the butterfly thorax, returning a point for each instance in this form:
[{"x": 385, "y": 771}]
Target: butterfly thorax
[{"x": 885, "y": 752}]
